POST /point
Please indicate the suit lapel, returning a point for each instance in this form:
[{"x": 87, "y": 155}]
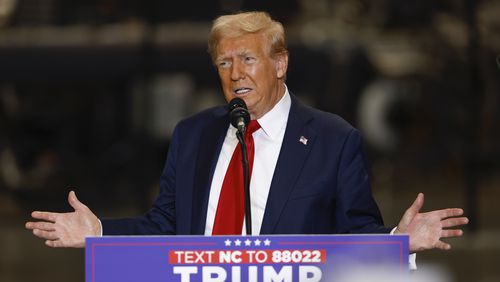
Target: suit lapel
[
  {"x": 211, "y": 141},
  {"x": 292, "y": 157}
]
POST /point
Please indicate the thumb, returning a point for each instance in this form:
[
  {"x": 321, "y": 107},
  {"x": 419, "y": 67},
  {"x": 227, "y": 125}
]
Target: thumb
[
  {"x": 74, "y": 202},
  {"x": 410, "y": 214},
  {"x": 416, "y": 206}
]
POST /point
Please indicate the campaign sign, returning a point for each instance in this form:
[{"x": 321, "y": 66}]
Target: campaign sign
[{"x": 242, "y": 258}]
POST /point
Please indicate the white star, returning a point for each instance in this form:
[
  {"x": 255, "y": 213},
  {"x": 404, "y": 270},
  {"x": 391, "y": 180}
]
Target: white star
[
  {"x": 257, "y": 242},
  {"x": 237, "y": 242},
  {"x": 248, "y": 242},
  {"x": 267, "y": 242},
  {"x": 227, "y": 242}
]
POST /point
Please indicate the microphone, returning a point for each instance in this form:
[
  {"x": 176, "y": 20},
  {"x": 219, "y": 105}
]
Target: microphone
[{"x": 238, "y": 114}]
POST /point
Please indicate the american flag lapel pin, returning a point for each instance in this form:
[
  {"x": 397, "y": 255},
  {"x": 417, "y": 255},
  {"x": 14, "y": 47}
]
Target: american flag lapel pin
[{"x": 303, "y": 140}]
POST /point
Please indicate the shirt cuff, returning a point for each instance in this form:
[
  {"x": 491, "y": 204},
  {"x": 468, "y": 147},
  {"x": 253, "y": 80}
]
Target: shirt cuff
[
  {"x": 412, "y": 258},
  {"x": 100, "y": 224}
]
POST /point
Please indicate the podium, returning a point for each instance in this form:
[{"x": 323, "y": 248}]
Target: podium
[{"x": 303, "y": 258}]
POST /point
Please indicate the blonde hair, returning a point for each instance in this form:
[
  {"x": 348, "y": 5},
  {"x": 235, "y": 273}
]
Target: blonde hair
[{"x": 232, "y": 26}]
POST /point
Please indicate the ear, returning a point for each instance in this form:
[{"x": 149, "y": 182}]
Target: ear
[{"x": 281, "y": 63}]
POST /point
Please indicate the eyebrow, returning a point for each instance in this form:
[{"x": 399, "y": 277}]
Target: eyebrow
[{"x": 242, "y": 53}]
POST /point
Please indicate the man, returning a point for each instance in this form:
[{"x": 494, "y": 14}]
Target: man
[{"x": 309, "y": 175}]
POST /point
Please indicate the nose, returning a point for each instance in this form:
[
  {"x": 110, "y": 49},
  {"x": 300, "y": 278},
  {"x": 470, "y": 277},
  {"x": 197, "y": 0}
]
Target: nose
[{"x": 237, "y": 71}]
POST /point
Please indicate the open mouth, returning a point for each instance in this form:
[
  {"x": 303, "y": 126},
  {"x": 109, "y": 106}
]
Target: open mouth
[{"x": 242, "y": 90}]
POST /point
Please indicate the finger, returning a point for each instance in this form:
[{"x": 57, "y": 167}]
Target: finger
[
  {"x": 61, "y": 244},
  {"x": 454, "y": 221},
  {"x": 442, "y": 245},
  {"x": 47, "y": 216},
  {"x": 451, "y": 212},
  {"x": 54, "y": 243},
  {"x": 417, "y": 205},
  {"x": 74, "y": 202},
  {"x": 42, "y": 225},
  {"x": 446, "y": 233},
  {"x": 49, "y": 235},
  {"x": 410, "y": 214}
]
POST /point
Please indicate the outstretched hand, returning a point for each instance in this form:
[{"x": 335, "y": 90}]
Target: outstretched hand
[
  {"x": 66, "y": 229},
  {"x": 427, "y": 229}
]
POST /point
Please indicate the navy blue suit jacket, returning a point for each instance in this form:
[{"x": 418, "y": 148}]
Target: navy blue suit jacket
[{"x": 318, "y": 188}]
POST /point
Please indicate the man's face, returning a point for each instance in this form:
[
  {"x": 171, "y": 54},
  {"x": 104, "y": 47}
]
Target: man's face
[{"x": 247, "y": 71}]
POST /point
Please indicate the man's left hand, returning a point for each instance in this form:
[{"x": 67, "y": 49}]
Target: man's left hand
[{"x": 427, "y": 229}]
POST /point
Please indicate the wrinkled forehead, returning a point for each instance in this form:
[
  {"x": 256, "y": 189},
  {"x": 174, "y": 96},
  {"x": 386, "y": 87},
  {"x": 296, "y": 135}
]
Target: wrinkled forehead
[{"x": 252, "y": 43}]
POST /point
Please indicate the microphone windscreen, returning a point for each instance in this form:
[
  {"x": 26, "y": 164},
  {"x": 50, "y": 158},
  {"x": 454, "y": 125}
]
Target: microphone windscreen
[
  {"x": 238, "y": 112},
  {"x": 237, "y": 103}
]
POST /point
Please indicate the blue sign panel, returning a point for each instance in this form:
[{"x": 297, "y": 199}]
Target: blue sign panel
[{"x": 242, "y": 258}]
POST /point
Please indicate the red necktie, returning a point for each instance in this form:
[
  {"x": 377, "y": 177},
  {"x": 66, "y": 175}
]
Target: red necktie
[{"x": 231, "y": 206}]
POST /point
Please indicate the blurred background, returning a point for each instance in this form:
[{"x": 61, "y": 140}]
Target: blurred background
[{"x": 90, "y": 92}]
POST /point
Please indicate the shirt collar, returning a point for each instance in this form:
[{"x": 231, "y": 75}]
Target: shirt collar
[{"x": 274, "y": 120}]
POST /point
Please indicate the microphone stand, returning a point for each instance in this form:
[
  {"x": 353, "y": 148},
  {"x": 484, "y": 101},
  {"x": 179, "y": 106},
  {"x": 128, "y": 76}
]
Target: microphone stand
[{"x": 246, "y": 181}]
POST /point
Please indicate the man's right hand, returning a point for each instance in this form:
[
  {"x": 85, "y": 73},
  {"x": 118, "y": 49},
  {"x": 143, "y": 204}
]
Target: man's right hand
[{"x": 66, "y": 229}]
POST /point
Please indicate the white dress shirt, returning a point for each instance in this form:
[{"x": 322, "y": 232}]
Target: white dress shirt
[{"x": 267, "y": 140}]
